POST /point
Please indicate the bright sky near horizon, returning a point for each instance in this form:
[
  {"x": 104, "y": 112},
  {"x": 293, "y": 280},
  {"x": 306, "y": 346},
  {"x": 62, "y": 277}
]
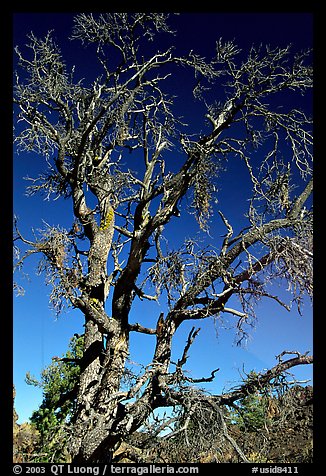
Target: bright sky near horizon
[{"x": 38, "y": 336}]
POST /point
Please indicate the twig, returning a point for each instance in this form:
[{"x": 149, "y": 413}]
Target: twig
[{"x": 228, "y": 235}]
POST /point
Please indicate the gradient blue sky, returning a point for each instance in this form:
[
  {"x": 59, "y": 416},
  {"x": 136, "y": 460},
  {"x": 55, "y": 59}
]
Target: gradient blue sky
[{"x": 38, "y": 335}]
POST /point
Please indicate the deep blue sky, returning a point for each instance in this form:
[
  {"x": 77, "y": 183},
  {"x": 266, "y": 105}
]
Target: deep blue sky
[{"x": 38, "y": 336}]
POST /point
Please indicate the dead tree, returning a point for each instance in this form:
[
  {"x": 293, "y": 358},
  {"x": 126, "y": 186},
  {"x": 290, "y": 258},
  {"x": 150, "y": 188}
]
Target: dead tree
[{"x": 116, "y": 139}]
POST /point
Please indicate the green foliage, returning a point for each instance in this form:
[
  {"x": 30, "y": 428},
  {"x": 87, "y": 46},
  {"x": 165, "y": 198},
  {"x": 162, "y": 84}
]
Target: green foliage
[
  {"x": 252, "y": 415},
  {"x": 58, "y": 382},
  {"x": 251, "y": 412}
]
